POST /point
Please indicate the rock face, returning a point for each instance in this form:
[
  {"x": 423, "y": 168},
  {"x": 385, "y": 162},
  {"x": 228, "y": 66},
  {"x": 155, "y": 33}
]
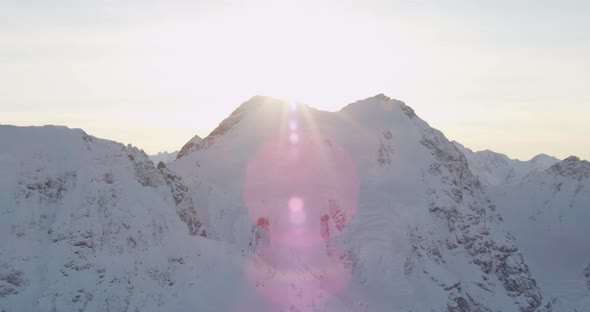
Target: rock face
[
  {"x": 572, "y": 167},
  {"x": 543, "y": 203},
  {"x": 496, "y": 255},
  {"x": 189, "y": 146},
  {"x": 547, "y": 213},
  {"x": 423, "y": 236}
]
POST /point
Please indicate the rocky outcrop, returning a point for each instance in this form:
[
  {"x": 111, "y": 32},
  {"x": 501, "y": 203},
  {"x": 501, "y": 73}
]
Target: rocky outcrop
[
  {"x": 189, "y": 147},
  {"x": 462, "y": 301},
  {"x": 386, "y": 151},
  {"x": 474, "y": 223},
  {"x": 11, "y": 281},
  {"x": 148, "y": 175},
  {"x": 571, "y": 168},
  {"x": 587, "y": 275}
]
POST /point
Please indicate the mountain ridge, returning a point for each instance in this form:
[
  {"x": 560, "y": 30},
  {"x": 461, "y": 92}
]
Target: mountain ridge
[{"x": 425, "y": 232}]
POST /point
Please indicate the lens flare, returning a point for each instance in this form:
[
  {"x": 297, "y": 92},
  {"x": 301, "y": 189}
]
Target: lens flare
[
  {"x": 296, "y": 212},
  {"x": 292, "y": 125},
  {"x": 322, "y": 176},
  {"x": 282, "y": 282},
  {"x": 301, "y": 190},
  {"x": 294, "y": 137}
]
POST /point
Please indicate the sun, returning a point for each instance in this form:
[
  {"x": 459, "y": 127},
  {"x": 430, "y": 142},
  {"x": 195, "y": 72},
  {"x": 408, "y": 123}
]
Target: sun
[{"x": 280, "y": 52}]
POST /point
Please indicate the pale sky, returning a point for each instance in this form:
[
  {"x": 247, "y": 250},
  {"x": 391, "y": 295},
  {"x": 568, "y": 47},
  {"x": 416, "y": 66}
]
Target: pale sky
[{"x": 511, "y": 76}]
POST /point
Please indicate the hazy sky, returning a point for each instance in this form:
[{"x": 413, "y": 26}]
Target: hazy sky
[{"x": 511, "y": 76}]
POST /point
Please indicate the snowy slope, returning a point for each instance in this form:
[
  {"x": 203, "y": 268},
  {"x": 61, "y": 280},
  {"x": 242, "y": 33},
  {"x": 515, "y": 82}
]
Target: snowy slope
[
  {"x": 91, "y": 225},
  {"x": 368, "y": 205},
  {"x": 164, "y": 157},
  {"x": 548, "y": 212},
  {"x": 494, "y": 168}
]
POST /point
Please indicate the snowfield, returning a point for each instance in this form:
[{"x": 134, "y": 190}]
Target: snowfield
[{"x": 287, "y": 208}]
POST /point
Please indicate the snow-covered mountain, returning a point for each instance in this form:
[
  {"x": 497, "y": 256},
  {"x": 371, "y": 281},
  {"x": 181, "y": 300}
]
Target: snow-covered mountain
[
  {"x": 494, "y": 168},
  {"x": 91, "y": 225},
  {"x": 548, "y": 212},
  {"x": 287, "y": 208},
  {"x": 164, "y": 157},
  {"x": 368, "y": 205},
  {"x": 545, "y": 204}
]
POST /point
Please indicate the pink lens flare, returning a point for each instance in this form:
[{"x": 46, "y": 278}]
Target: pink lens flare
[
  {"x": 300, "y": 194},
  {"x": 296, "y": 212},
  {"x": 295, "y": 186},
  {"x": 299, "y": 278},
  {"x": 294, "y": 137},
  {"x": 292, "y": 125}
]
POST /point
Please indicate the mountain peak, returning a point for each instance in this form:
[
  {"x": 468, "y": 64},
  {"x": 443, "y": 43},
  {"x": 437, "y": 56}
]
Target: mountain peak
[
  {"x": 252, "y": 107},
  {"x": 571, "y": 167},
  {"x": 259, "y": 101},
  {"x": 543, "y": 157},
  {"x": 381, "y": 102},
  {"x": 189, "y": 146},
  {"x": 265, "y": 112},
  {"x": 372, "y": 101},
  {"x": 49, "y": 137},
  {"x": 572, "y": 159},
  {"x": 381, "y": 96}
]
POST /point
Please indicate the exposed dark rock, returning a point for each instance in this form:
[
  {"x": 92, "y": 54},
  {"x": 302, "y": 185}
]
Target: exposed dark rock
[
  {"x": 13, "y": 277},
  {"x": 587, "y": 275},
  {"x": 408, "y": 110},
  {"x": 384, "y": 155},
  {"x": 51, "y": 189},
  {"x": 188, "y": 147},
  {"x": 572, "y": 168},
  {"x": 469, "y": 217},
  {"x": 148, "y": 175}
]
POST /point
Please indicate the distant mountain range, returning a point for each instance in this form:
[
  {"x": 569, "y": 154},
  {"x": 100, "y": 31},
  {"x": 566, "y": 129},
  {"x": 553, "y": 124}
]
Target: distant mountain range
[
  {"x": 164, "y": 157},
  {"x": 284, "y": 207}
]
